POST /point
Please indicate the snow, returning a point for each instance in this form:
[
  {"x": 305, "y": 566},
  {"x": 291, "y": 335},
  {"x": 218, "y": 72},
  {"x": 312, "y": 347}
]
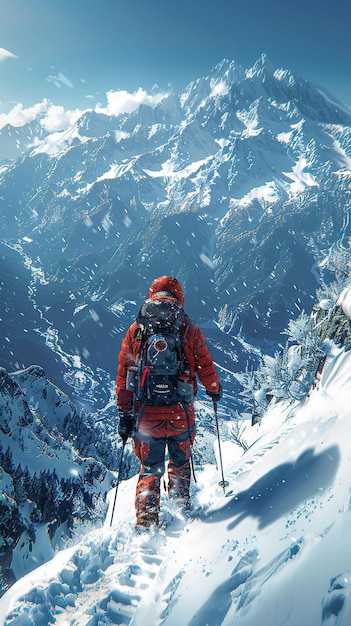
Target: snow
[
  {"x": 300, "y": 177},
  {"x": 168, "y": 171},
  {"x": 345, "y": 160},
  {"x": 344, "y": 301},
  {"x": 284, "y": 137},
  {"x": 268, "y": 193},
  {"x": 116, "y": 170},
  {"x": 219, "y": 89},
  {"x": 273, "y": 549},
  {"x": 57, "y": 141},
  {"x": 207, "y": 261}
]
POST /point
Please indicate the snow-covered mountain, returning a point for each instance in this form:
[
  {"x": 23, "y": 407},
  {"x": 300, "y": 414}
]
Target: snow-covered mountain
[
  {"x": 239, "y": 186},
  {"x": 53, "y": 469},
  {"x": 17, "y": 140},
  {"x": 273, "y": 549}
]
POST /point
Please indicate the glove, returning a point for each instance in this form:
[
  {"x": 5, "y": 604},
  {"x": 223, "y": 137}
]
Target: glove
[
  {"x": 126, "y": 424},
  {"x": 215, "y": 395}
]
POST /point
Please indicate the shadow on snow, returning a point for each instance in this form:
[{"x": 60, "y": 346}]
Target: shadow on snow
[{"x": 281, "y": 490}]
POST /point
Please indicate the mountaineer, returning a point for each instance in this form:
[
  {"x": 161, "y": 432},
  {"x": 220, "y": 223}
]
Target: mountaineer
[{"x": 160, "y": 359}]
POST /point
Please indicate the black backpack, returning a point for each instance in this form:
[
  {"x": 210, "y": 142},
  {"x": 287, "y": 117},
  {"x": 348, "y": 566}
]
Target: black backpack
[{"x": 158, "y": 379}]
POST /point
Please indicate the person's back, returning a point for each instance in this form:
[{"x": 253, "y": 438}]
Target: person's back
[{"x": 157, "y": 424}]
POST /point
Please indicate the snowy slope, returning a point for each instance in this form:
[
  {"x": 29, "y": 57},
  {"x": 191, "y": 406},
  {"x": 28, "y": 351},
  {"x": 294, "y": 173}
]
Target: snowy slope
[{"x": 273, "y": 550}]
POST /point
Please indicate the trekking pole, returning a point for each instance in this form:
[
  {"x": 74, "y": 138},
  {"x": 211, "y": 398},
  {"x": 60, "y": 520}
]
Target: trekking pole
[
  {"x": 192, "y": 465},
  {"x": 222, "y": 483},
  {"x": 124, "y": 441}
]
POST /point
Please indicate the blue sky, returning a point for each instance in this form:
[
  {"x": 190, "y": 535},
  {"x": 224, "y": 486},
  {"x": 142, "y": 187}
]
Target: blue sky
[{"x": 74, "y": 51}]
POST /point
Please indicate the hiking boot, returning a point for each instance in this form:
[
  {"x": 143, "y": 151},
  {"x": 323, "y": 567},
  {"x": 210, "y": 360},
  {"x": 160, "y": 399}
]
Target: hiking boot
[
  {"x": 141, "y": 527},
  {"x": 179, "y": 484},
  {"x": 147, "y": 500}
]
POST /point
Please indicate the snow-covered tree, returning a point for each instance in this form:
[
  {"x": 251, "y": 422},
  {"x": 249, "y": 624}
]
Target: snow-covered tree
[
  {"x": 336, "y": 264},
  {"x": 289, "y": 373}
]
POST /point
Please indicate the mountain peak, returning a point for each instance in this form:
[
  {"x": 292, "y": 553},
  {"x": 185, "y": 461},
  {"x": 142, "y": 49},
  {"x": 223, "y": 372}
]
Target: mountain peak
[
  {"x": 226, "y": 72},
  {"x": 263, "y": 64}
]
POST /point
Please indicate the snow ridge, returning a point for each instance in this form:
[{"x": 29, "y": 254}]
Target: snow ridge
[{"x": 249, "y": 555}]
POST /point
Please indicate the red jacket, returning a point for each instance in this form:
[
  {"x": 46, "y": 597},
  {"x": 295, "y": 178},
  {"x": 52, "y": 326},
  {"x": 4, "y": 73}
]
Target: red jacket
[{"x": 199, "y": 363}]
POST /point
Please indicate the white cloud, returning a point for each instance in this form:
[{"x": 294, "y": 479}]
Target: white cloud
[
  {"x": 124, "y": 102},
  {"x": 19, "y": 116},
  {"x": 53, "y": 118},
  {"x": 60, "y": 80},
  {"x": 5, "y": 54},
  {"x": 57, "y": 118}
]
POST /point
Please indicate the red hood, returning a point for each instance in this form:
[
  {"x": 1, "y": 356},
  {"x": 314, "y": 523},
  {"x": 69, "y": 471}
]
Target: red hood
[{"x": 166, "y": 285}]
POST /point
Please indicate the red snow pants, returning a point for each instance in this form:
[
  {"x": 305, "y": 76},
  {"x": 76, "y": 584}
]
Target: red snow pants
[{"x": 152, "y": 440}]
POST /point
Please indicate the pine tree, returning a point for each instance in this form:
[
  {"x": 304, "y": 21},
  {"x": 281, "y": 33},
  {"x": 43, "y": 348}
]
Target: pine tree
[
  {"x": 7, "y": 462},
  {"x": 18, "y": 483},
  {"x": 336, "y": 263},
  {"x": 289, "y": 373}
]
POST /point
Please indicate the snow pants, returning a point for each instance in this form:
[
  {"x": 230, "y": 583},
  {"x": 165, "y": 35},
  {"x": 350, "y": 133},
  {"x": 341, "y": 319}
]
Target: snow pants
[{"x": 151, "y": 451}]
